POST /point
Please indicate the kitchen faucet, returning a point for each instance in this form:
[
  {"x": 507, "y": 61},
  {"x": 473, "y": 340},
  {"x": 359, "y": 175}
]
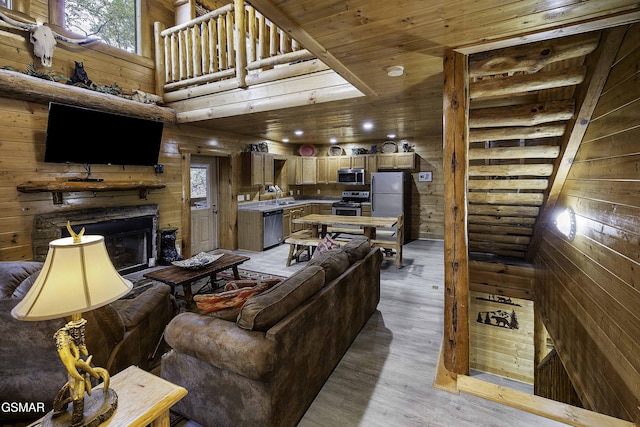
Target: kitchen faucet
[{"x": 278, "y": 191}]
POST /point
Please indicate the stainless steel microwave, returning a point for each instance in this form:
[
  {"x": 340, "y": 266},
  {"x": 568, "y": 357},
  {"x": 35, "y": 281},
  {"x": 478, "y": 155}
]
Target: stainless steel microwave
[{"x": 351, "y": 176}]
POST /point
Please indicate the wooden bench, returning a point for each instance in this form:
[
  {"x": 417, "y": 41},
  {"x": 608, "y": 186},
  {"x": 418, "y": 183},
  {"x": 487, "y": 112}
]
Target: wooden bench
[
  {"x": 393, "y": 247},
  {"x": 300, "y": 242}
]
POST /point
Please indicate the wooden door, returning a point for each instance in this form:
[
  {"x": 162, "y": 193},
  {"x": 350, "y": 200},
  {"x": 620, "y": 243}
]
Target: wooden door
[{"x": 204, "y": 204}]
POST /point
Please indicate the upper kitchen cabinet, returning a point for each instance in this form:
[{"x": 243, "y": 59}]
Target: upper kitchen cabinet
[
  {"x": 259, "y": 167},
  {"x": 328, "y": 170},
  {"x": 396, "y": 161},
  {"x": 355, "y": 162},
  {"x": 302, "y": 170}
]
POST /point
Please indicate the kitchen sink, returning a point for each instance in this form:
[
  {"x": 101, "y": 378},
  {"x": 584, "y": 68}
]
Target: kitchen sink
[{"x": 286, "y": 203}]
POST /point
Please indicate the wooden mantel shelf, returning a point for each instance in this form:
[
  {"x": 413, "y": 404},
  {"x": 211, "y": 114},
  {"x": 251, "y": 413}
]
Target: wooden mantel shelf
[
  {"x": 58, "y": 187},
  {"x": 21, "y": 86}
]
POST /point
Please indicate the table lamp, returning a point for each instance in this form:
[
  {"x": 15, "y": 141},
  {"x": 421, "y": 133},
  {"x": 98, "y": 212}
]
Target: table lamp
[{"x": 77, "y": 276}]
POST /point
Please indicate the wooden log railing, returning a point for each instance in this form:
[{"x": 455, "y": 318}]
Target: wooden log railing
[{"x": 223, "y": 45}]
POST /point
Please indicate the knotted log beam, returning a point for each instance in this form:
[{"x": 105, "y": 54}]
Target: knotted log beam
[
  {"x": 532, "y": 57},
  {"x": 520, "y": 83},
  {"x": 20, "y": 86},
  {"x": 522, "y": 115}
]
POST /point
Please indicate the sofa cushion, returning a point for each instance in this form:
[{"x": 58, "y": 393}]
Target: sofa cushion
[
  {"x": 13, "y": 273},
  {"x": 357, "y": 248},
  {"x": 333, "y": 262},
  {"x": 265, "y": 310}
]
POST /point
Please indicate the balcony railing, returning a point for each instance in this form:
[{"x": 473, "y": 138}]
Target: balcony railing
[{"x": 231, "y": 46}]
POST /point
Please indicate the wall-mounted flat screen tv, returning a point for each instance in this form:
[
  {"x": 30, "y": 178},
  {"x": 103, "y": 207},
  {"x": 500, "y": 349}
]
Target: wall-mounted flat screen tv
[{"x": 88, "y": 136}]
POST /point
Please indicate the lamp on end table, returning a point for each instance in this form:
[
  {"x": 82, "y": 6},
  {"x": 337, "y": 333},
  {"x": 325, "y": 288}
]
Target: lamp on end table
[{"x": 77, "y": 276}]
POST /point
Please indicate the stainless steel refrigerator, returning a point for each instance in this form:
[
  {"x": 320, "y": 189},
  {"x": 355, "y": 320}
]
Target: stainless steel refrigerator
[{"x": 391, "y": 194}]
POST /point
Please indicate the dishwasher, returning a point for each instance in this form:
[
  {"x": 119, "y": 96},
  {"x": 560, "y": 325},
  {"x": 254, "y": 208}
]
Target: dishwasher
[{"x": 272, "y": 228}]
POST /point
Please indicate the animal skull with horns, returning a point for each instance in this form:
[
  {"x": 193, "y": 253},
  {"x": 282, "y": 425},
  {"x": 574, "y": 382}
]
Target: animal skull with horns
[{"x": 43, "y": 38}]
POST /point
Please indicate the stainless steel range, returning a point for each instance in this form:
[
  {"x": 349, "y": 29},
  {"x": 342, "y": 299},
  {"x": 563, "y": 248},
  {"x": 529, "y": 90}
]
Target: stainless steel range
[{"x": 351, "y": 203}]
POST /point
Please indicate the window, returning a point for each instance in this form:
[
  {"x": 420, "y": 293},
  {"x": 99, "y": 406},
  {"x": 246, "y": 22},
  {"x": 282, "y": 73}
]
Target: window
[
  {"x": 115, "y": 22},
  {"x": 199, "y": 186},
  {"x": 5, "y": 3}
]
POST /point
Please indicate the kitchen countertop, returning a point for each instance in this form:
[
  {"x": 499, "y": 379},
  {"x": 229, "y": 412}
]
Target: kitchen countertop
[{"x": 285, "y": 202}]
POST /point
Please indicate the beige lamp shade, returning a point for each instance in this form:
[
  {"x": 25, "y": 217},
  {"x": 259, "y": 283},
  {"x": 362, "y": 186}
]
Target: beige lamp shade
[{"x": 75, "y": 278}]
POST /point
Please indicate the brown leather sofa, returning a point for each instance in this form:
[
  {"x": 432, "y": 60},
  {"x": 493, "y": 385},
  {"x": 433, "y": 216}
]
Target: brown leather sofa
[
  {"x": 266, "y": 368},
  {"x": 123, "y": 333}
]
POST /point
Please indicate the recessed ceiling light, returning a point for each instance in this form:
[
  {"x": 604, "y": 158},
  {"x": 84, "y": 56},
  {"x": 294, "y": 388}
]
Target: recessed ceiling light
[
  {"x": 395, "y": 71},
  {"x": 367, "y": 125},
  {"x": 299, "y": 132},
  {"x": 285, "y": 140},
  {"x": 333, "y": 140},
  {"x": 391, "y": 135}
]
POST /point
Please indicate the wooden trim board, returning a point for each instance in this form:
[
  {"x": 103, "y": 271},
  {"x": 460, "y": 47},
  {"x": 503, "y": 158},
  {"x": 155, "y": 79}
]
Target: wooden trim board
[{"x": 557, "y": 411}]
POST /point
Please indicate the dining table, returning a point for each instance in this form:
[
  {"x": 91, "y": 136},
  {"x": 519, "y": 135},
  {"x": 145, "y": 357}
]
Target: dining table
[{"x": 369, "y": 224}]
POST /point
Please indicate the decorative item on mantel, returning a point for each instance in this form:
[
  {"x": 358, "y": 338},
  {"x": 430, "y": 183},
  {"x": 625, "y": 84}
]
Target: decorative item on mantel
[
  {"x": 168, "y": 251},
  {"x": 80, "y": 76}
]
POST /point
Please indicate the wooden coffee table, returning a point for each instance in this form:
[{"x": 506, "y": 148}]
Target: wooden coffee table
[{"x": 178, "y": 276}]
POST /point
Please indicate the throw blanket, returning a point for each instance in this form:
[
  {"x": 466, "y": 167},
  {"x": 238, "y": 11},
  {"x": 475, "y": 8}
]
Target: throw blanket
[{"x": 235, "y": 294}]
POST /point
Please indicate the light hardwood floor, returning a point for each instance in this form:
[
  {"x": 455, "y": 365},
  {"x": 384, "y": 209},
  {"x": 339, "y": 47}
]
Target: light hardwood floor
[{"x": 386, "y": 376}]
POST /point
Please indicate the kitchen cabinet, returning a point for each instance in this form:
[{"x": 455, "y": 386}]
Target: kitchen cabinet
[
  {"x": 327, "y": 170},
  {"x": 344, "y": 162},
  {"x": 268, "y": 165},
  {"x": 309, "y": 170},
  {"x": 396, "y": 161},
  {"x": 257, "y": 169},
  {"x": 325, "y": 208},
  {"x": 286, "y": 223},
  {"x": 302, "y": 170},
  {"x": 250, "y": 230},
  {"x": 352, "y": 162},
  {"x": 359, "y": 162}
]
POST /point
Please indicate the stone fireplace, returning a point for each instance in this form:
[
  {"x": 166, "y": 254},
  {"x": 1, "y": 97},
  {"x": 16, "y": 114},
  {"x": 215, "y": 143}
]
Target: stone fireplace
[{"x": 130, "y": 233}]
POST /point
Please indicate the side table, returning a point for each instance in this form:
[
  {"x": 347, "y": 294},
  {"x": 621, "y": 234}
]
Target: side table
[{"x": 143, "y": 399}]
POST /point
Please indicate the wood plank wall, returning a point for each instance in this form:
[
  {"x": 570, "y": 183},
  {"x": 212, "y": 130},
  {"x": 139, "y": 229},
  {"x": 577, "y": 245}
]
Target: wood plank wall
[
  {"x": 501, "y": 336},
  {"x": 588, "y": 289}
]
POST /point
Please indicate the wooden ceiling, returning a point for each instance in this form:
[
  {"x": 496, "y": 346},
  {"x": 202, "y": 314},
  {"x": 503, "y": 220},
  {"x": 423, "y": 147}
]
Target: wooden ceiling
[{"x": 361, "y": 39}]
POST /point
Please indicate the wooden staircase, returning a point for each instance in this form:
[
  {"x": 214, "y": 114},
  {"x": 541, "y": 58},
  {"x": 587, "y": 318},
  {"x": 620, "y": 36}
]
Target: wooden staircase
[{"x": 522, "y": 101}]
